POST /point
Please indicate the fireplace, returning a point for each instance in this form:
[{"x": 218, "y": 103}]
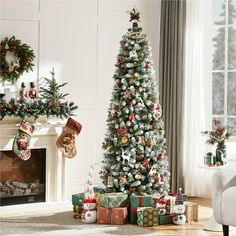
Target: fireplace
[
  {"x": 22, "y": 181},
  {"x": 48, "y": 183}
]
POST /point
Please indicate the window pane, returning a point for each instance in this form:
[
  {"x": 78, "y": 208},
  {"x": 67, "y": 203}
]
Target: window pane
[
  {"x": 219, "y": 12},
  {"x": 218, "y": 93},
  {"x": 218, "y": 48},
  {"x": 231, "y": 94},
  {"x": 232, "y": 11},
  {"x": 232, "y": 48},
  {"x": 232, "y": 122}
]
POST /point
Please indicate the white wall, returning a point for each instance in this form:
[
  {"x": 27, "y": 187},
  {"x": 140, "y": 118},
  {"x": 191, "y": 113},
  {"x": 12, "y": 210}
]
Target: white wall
[{"x": 80, "y": 39}]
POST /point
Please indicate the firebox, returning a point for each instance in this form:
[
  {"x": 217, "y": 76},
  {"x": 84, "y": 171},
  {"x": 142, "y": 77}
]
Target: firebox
[{"x": 22, "y": 181}]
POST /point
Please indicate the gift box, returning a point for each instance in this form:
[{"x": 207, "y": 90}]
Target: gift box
[
  {"x": 77, "y": 211},
  {"x": 147, "y": 216},
  {"x": 115, "y": 216},
  {"x": 191, "y": 212},
  {"x": 165, "y": 219},
  {"x": 133, "y": 216},
  {"x": 98, "y": 189},
  {"x": 113, "y": 200},
  {"x": 170, "y": 204},
  {"x": 98, "y": 198},
  {"x": 103, "y": 215},
  {"x": 77, "y": 199},
  {"x": 119, "y": 216},
  {"x": 140, "y": 201}
]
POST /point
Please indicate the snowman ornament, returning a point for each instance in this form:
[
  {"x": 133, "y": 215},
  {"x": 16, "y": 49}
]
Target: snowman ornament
[
  {"x": 89, "y": 214},
  {"x": 161, "y": 207},
  {"x": 179, "y": 209}
]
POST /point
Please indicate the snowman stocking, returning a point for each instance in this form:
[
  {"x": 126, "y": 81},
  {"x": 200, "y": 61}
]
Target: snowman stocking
[
  {"x": 22, "y": 140},
  {"x": 66, "y": 141}
]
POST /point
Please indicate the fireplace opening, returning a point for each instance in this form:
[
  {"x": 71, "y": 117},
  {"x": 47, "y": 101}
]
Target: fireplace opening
[{"x": 22, "y": 181}]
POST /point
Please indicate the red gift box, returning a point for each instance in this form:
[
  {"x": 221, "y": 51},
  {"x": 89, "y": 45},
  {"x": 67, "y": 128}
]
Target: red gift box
[
  {"x": 119, "y": 216},
  {"x": 115, "y": 216},
  {"x": 103, "y": 215}
]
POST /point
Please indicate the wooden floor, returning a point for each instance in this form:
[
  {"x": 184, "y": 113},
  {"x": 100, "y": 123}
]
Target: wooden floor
[{"x": 196, "y": 229}]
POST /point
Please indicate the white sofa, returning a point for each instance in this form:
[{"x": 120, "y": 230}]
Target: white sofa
[{"x": 224, "y": 196}]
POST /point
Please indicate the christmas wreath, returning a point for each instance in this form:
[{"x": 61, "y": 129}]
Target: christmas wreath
[{"x": 22, "y": 55}]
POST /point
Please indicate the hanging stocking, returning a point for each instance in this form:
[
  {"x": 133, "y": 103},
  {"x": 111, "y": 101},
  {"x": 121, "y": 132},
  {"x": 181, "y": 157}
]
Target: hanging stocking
[
  {"x": 22, "y": 140},
  {"x": 66, "y": 141}
]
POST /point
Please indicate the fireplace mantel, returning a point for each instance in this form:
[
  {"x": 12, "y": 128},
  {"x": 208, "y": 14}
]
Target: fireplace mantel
[{"x": 45, "y": 136}]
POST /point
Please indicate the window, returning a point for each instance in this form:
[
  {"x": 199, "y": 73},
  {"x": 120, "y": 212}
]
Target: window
[{"x": 224, "y": 61}]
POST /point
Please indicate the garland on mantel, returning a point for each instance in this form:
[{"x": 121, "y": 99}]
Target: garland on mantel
[
  {"x": 49, "y": 103},
  {"x": 36, "y": 109}
]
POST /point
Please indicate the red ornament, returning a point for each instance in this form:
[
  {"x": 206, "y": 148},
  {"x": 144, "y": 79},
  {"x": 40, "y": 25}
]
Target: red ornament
[
  {"x": 127, "y": 94},
  {"x": 131, "y": 117},
  {"x": 160, "y": 157},
  {"x": 146, "y": 164},
  {"x": 122, "y": 131},
  {"x": 123, "y": 180}
]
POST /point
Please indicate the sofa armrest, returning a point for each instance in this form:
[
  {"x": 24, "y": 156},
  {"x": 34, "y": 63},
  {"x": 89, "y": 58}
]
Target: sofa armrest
[{"x": 222, "y": 179}]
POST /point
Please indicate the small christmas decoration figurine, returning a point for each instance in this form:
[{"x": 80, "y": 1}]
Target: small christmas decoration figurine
[
  {"x": 179, "y": 209},
  {"x": 23, "y": 92},
  {"x": 89, "y": 214},
  {"x": 32, "y": 91},
  {"x": 161, "y": 207}
]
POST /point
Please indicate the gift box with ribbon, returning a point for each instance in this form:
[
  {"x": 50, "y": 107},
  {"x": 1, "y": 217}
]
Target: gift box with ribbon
[
  {"x": 98, "y": 198},
  {"x": 191, "y": 212},
  {"x": 113, "y": 200},
  {"x": 98, "y": 189},
  {"x": 77, "y": 199},
  {"x": 103, "y": 215},
  {"x": 119, "y": 216},
  {"x": 147, "y": 216},
  {"x": 138, "y": 201},
  {"x": 115, "y": 216}
]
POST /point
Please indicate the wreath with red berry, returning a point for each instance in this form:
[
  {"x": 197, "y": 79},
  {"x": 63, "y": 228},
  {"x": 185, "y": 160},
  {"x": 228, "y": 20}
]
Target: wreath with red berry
[{"x": 21, "y": 56}]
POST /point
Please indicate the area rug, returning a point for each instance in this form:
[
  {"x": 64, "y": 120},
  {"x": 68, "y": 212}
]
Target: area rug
[{"x": 63, "y": 224}]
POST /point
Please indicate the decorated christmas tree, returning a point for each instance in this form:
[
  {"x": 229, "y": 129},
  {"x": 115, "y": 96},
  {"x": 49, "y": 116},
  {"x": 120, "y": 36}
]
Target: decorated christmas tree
[{"x": 135, "y": 160}]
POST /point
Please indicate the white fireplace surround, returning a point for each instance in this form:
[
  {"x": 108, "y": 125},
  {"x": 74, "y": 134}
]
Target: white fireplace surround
[{"x": 44, "y": 136}]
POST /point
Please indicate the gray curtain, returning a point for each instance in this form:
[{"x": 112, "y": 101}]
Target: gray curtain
[{"x": 171, "y": 84}]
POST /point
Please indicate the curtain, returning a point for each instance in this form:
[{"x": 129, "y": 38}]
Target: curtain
[
  {"x": 171, "y": 82},
  {"x": 194, "y": 117}
]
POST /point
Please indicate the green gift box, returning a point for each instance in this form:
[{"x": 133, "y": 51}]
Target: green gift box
[
  {"x": 133, "y": 216},
  {"x": 113, "y": 200},
  {"x": 98, "y": 189},
  {"x": 165, "y": 219},
  {"x": 77, "y": 199},
  {"x": 147, "y": 216},
  {"x": 140, "y": 201}
]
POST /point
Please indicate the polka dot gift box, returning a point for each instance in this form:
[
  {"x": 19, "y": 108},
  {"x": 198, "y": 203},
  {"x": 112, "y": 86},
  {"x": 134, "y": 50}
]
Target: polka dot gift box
[{"x": 147, "y": 216}]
